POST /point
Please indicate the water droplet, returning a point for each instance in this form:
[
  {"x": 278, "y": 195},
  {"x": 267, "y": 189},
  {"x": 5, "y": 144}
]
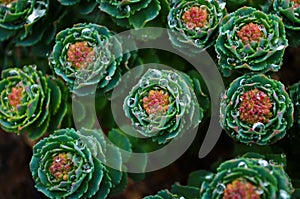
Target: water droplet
[
  {"x": 13, "y": 73},
  {"x": 86, "y": 167},
  {"x": 242, "y": 164},
  {"x": 259, "y": 191},
  {"x": 68, "y": 64},
  {"x": 265, "y": 184},
  {"x": 275, "y": 67},
  {"x": 220, "y": 188},
  {"x": 73, "y": 177},
  {"x": 228, "y": 171},
  {"x": 281, "y": 47},
  {"x": 230, "y": 61},
  {"x": 263, "y": 163},
  {"x": 267, "y": 86},
  {"x": 34, "y": 67},
  {"x": 258, "y": 127},
  {"x": 34, "y": 88},
  {"x": 172, "y": 23},
  {"x": 57, "y": 159},
  {"x": 104, "y": 59},
  {"x": 136, "y": 111},
  {"x": 108, "y": 78},
  {"x": 86, "y": 31},
  {"x": 80, "y": 144},
  {"x": 281, "y": 99},
  {"x": 76, "y": 34},
  {"x": 52, "y": 177},
  {"x": 209, "y": 176},
  {"x": 243, "y": 82},
  {"x": 131, "y": 102},
  {"x": 155, "y": 74},
  {"x": 144, "y": 83},
  {"x": 197, "y": 41},
  {"x": 241, "y": 89},
  {"x": 33, "y": 115},
  {"x": 284, "y": 194},
  {"x": 163, "y": 82},
  {"x": 173, "y": 77}
]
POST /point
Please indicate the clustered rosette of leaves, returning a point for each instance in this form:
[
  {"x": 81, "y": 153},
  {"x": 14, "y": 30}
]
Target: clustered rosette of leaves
[
  {"x": 289, "y": 11},
  {"x": 162, "y": 104},
  {"x": 30, "y": 101},
  {"x": 134, "y": 13},
  {"x": 256, "y": 109},
  {"x": 193, "y": 25},
  {"x": 294, "y": 92},
  {"x": 18, "y": 17},
  {"x": 164, "y": 194},
  {"x": 249, "y": 176},
  {"x": 87, "y": 55},
  {"x": 72, "y": 164},
  {"x": 250, "y": 40},
  {"x": 252, "y": 177}
]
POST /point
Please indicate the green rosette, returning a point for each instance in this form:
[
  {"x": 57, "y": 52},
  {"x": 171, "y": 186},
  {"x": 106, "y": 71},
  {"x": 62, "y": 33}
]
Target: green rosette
[
  {"x": 294, "y": 92},
  {"x": 72, "y": 164},
  {"x": 250, "y": 41},
  {"x": 30, "y": 101},
  {"x": 86, "y": 57},
  {"x": 289, "y": 11},
  {"x": 17, "y": 17},
  {"x": 132, "y": 13},
  {"x": 193, "y": 25},
  {"x": 162, "y": 105},
  {"x": 256, "y": 109},
  {"x": 164, "y": 194},
  {"x": 247, "y": 177}
]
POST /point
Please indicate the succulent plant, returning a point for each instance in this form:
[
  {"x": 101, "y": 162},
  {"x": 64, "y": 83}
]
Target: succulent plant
[
  {"x": 256, "y": 109},
  {"x": 161, "y": 104},
  {"x": 289, "y": 11},
  {"x": 294, "y": 92},
  {"x": 72, "y": 164},
  {"x": 132, "y": 13},
  {"x": 247, "y": 177},
  {"x": 87, "y": 55},
  {"x": 164, "y": 194},
  {"x": 193, "y": 25},
  {"x": 19, "y": 16},
  {"x": 30, "y": 101},
  {"x": 250, "y": 40}
]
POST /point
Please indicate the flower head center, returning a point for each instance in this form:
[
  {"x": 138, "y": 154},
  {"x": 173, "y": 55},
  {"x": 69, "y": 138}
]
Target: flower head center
[
  {"x": 241, "y": 189},
  {"x": 195, "y": 17},
  {"x": 15, "y": 96},
  {"x": 255, "y": 106},
  {"x": 250, "y": 32},
  {"x": 80, "y": 54},
  {"x": 61, "y": 166},
  {"x": 157, "y": 102}
]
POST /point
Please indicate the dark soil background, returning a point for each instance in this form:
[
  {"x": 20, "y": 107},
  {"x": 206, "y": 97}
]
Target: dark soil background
[{"x": 16, "y": 152}]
